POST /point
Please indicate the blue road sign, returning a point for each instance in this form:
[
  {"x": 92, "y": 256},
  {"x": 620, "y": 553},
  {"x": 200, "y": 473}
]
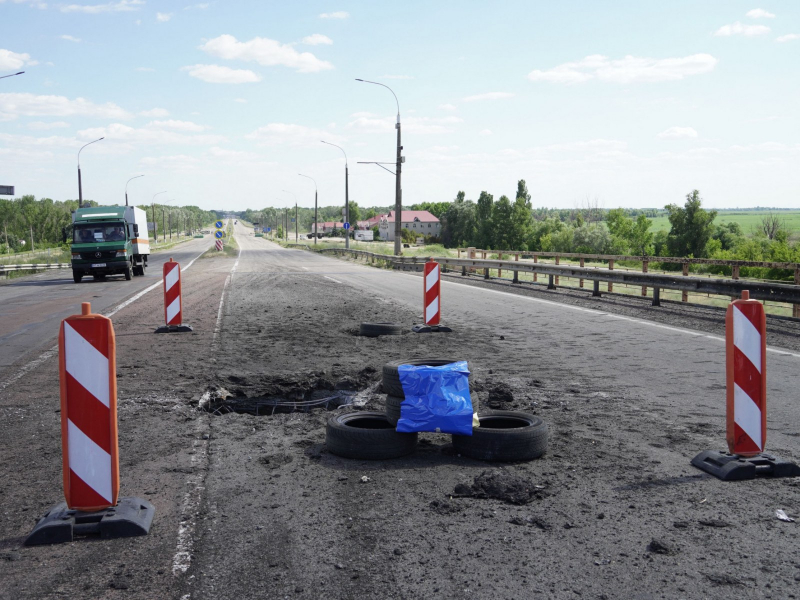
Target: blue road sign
[
  {"x": 269, "y": 229},
  {"x": 263, "y": 230},
  {"x": 218, "y": 225},
  {"x": 347, "y": 226},
  {"x": 218, "y": 235}
]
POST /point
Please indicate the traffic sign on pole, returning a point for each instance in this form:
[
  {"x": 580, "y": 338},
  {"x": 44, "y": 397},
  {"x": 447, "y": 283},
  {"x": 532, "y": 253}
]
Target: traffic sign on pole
[
  {"x": 218, "y": 234},
  {"x": 346, "y": 226},
  {"x": 218, "y": 224}
]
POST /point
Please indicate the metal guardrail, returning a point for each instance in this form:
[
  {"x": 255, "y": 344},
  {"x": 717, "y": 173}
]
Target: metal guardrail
[
  {"x": 33, "y": 267},
  {"x": 774, "y": 292}
]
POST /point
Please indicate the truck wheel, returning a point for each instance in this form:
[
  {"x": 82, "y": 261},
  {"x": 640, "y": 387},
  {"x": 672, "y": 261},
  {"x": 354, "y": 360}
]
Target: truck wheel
[
  {"x": 504, "y": 435},
  {"x": 129, "y": 272},
  {"x": 76, "y": 277}
]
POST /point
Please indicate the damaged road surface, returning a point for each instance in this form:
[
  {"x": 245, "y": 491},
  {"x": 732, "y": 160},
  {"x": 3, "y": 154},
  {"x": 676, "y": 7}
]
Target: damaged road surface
[{"x": 225, "y": 434}]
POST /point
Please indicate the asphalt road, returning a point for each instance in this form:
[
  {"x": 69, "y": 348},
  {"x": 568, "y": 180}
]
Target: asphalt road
[{"x": 253, "y": 506}]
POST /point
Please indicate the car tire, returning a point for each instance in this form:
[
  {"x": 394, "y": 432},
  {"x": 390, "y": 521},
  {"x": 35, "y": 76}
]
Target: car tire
[
  {"x": 505, "y": 436},
  {"x": 129, "y": 272},
  {"x": 76, "y": 277},
  {"x": 376, "y": 329},
  {"x": 367, "y": 436},
  {"x": 391, "y": 375},
  {"x": 393, "y": 408}
]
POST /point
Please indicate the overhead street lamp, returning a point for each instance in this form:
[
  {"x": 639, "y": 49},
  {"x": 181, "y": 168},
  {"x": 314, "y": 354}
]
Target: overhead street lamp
[
  {"x": 80, "y": 190},
  {"x": 126, "y": 187},
  {"x": 12, "y": 75},
  {"x": 153, "y": 206},
  {"x": 346, "y": 195},
  {"x": 316, "y": 225},
  {"x": 398, "y": 191},
  {"x": 295, "y": 218}
]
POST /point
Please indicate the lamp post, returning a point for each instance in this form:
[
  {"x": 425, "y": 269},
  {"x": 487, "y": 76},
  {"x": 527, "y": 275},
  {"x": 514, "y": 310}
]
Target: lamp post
[
  {"x": 153, "y": 206},
  {"x": 80, "y": 190},
  {"x": 398, "y": 191},
  {"x": 315, "y": 206},
  {"x": 295, "y": 217},
  {"x": 12, "y": 75},
  {"x": 126, "y": 187},
  {"x": 346, "y": 195}
]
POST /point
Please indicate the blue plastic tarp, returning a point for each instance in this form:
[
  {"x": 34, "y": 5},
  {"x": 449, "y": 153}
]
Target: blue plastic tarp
[{"x": 436, "y": 399}]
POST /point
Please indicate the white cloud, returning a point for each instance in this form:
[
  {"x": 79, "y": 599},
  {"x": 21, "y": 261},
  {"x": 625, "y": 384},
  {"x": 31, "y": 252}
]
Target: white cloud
[
  {"x": 630, "y": 69},
  {"x": 447, "y": 106},
  {"x": 317, "y": 39},
  {"x": 147, "y": 135},
  {"x": 201, "y": 6},
  {"x": 35, "y": 3},
  {"x": 396, "y": 77},
  {"x": 175, "y": 162},
  {"x": 739, "y": 29},
  {"x": 335, "y": 15},
  {"x": 485, "y": 132},
  {"x": 240, "y": 100},
  {"x": 145, "y": 69},
  {"x": 760, "y": 13},
  {"x": 93, "y": 9},
  {"x": 788, "y": 37},
  {"x": 10, "y": 61},
  {"x": 276, "y": 134},
  {"x": 219, "y": 74},
  {"x": 155, "y": 113},
  {"x": 488, "y": 96},
  {"x": 42, "y": 126},
  {"x": 369, "y": 123},
  {"x": 265, "y": 52},
  {"x": 53, "y": 141},
  {"x": 31, "y": 105},
  {"x": 70, "y": 38},
  {"x": 187, "y": 126},
  {"x": 677, "y": 133},
  {"x": 163, "y": 17}
]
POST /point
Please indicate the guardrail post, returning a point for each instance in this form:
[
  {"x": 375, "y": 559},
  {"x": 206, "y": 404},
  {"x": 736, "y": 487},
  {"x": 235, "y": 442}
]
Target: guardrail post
[
  {"x": 656, "y": 296},
  {"x": 499, "y": 271},
  {"x": 580, "y": 281},
  {"x": 557, "y": 261},
  {"x": 516, "y": 273},
  {"x": 684, "y": 293},
  {"x": 464, "y": 271},
  {"x": 486, "y": 270},
  {"x": 535, "y": 274},
  {"x": 796, "y": 307},
  {"x": 610, "y": 268},
  {"x": 734, "y": 275},
  {"x": 644, "y": 270},
  {"x": 471, "y": 256},
  {"x": 596, "y": 290},
  {"x": 459, "y": 252},
  {"x": 550, "y": 284}
]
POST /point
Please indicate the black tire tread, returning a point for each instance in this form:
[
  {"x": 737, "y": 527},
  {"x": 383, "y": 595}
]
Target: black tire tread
[
  {"x": 377, "y": 329},
  {"x": 344, "y": 439},
  {"x": 526, "y": 442},
  {"x": 393, "y": 408}
]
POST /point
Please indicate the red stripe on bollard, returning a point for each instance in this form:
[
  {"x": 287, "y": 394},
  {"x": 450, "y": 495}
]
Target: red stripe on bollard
[
  {"x": 87, "y": 369},
  {"x": 173, "y": 314},
  {"x": 431, "y": 293},
  {"x": 746, "y": 362}
]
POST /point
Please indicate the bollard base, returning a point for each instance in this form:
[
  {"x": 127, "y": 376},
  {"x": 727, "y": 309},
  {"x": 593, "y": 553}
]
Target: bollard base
[
  {"x": 431, "y": 329},
  {"x": 130, "y": 517},
  {"x": 174, "y": 329},
  {"x": 732, "y": 467}
]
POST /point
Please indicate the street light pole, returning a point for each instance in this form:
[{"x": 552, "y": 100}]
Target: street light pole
[
  {"x": 153, "y": 206},
  {"x": 315, "y": 206},
  {"x": 80, "y": 190},
  {"x": 126, "y": 187},
  {"x": 346, "y": 194},
  {"x": 398, "y": 191}
]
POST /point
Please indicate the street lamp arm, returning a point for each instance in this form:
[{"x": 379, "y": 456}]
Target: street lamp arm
[
  {"x": 12, "y": 75},
  {"x": 131, "y": 179},
  {"x": 311, "y": 178},
  {"x": 379, "y": 164},
  {"x": 84, "y": 146},
  {"x": 388, "y": 88},
  {"x": 340, "y": 148}
]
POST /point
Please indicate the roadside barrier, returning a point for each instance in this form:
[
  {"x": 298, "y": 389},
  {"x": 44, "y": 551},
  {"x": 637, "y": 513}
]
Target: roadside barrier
[
  {"x": 432, "y": 293},
  {"x": 173, "y": 308},
  {"x": 90, "y": 457},
  {"x": 88, "y": 374},
  {"x": 746, "y": 362},
  {"x": 746, "y": 400}
]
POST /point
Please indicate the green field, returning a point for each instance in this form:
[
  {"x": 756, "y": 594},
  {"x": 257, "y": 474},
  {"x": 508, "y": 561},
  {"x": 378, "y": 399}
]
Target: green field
[{"x": 748, "y": 220}]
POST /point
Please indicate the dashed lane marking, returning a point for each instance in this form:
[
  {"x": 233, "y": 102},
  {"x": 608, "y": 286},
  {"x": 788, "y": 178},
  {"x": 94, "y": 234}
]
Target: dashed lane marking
[{"x": 332, "y": 279}]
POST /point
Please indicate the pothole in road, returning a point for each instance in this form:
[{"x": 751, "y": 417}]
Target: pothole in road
[{"x": 288, "y": 395}]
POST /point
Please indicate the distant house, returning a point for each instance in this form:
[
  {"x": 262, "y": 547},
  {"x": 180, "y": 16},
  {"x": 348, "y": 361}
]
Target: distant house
[
  {"x": 328, "y": 226},
  {"x": 420, "y": 222}
]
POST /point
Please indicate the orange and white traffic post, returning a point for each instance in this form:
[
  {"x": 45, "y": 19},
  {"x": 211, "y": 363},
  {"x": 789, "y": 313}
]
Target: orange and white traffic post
[
  {"x": 746, "y": 400},
  {"x": 90, "y": 456},
  {"x": 431, "y": 300},
  {"x": 173, "y": 307}
]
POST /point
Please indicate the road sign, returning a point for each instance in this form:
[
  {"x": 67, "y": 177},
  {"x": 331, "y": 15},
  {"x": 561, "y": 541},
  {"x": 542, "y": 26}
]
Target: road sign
[
  {"x": 6, "y": 190},
  {"x": 269, "y": 229},
  {"x": 218, "y": 234},
  {"x": 218, "y": 224},
  {"x": 346, "y": 226}
]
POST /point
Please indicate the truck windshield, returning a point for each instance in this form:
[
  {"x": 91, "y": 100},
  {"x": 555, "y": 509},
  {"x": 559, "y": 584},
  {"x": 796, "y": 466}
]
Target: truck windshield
[{"x": 98, "y": 232}]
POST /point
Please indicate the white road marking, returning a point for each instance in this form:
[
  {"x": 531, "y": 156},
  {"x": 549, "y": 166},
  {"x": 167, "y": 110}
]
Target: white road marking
[
  {"x": 332, "y": 279},
  {"x": 218, "y": 324}
]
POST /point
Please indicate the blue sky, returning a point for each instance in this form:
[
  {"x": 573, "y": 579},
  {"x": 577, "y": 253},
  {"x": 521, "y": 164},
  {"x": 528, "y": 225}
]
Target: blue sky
[{"x": 222, "y": 104}]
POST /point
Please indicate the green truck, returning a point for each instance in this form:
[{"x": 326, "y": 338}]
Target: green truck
[{"x": 109, "y": 240}]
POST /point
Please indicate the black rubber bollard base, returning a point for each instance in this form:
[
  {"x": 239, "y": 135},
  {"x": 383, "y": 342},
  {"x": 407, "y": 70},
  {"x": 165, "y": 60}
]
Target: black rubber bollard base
[
  {"x": 430, "y": 329},
  {"x": 130, "y": 517},
  {"x": 174, "y": 329},
  {"x": 732, "y": 467}
]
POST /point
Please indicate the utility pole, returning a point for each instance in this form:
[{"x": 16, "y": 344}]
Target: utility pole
[
  {"x": 32, "y": 248},
  {"x": 296, "y": 238}
]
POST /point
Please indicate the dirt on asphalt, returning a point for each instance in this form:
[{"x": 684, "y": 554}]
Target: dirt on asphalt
[{"x": 250, "y": 504}]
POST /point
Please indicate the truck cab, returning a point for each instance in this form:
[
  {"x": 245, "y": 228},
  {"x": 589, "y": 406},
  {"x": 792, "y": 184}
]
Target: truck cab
[{"x": 109, "y": 240}]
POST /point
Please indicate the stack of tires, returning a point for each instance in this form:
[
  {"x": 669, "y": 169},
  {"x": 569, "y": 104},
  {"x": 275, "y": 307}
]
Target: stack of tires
[{"x": 504, "y": 436}]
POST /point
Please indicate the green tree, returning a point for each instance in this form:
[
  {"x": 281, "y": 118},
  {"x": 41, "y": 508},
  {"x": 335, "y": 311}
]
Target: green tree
[
  {"x": 521, "y": 222},
  {"x": 483, "y": 216},
  {"x": 355, "y": 213},
  {"x": 691, "y": 227},
  {"x": 522, "y": 192},
  {"x": 502, "y": 224}
]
